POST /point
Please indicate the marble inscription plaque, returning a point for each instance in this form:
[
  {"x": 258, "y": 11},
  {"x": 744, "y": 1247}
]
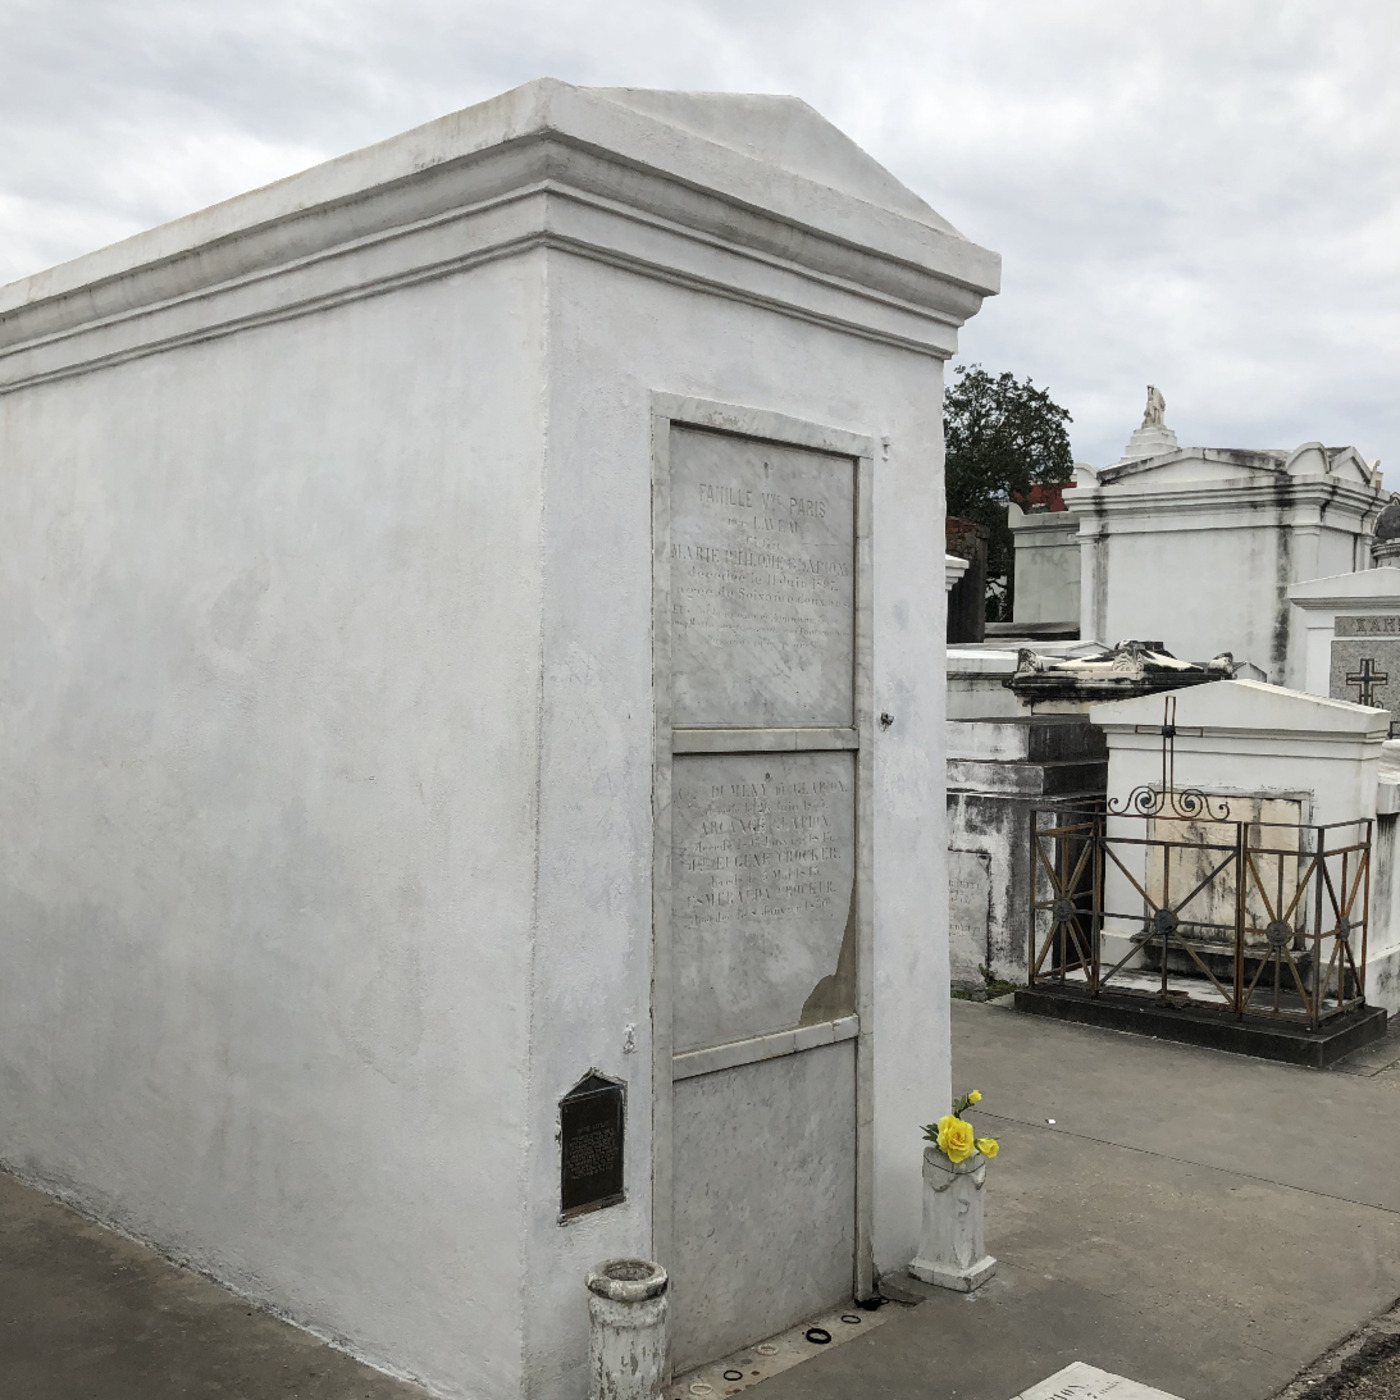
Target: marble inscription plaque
[
  {"x": 1368, "y": 627},
  {"x": 763, "y": 867},
  {"x": 592, "y": 1118},
  {"x": 969, "y": 906},
  {"x": 1080, "y": 1381},
  {"x": 762, "y": 583},
  {"x": 1366, "y": 664}
]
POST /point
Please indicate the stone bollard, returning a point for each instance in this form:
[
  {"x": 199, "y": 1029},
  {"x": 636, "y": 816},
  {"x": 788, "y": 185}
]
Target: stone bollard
[
  {"x": 629, "y": 1354},
  {"x": 952, "y": 1253}
]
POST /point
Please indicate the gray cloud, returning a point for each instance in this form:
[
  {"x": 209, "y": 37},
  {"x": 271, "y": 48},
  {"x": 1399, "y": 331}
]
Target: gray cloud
[{"x": 1200, "y": 193}]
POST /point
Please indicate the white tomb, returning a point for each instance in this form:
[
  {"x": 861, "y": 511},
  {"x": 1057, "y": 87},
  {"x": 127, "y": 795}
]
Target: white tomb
[
  {"x": 449, "y": 596},
  {"x": 1320, "y": 602},
  {"x": 1197, "y": 547},
  {"x": 1046, "y": 566},
  {"x": 1268, "y": 754}
]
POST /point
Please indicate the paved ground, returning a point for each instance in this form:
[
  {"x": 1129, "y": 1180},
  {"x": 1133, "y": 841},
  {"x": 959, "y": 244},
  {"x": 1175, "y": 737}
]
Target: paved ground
[
  {"x": 1201, "y": 1222},
  {"x": 87, "y": 1315}
]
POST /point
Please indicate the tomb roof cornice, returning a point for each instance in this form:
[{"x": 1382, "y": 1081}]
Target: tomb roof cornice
[
  {"x": 1311, "y": 460},
  {"x": 1239, "y": 709},
  {"x": 1340, "y": 591},
  {"x": 667, "y": 184},
  {"x": 1229, "y": 498}
]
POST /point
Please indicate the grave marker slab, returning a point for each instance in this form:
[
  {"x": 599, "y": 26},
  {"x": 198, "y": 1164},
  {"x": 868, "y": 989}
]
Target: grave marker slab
[
  {"x": 764, "y": 864},
  {"x": 1079, "y": 1381},
  {"x": 1366, "y": 662},
  {"x": 762, "y": 583}
]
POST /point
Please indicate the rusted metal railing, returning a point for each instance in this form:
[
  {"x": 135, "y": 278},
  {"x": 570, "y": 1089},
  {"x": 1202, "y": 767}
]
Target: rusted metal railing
[{"x": 1176, "y": 900}]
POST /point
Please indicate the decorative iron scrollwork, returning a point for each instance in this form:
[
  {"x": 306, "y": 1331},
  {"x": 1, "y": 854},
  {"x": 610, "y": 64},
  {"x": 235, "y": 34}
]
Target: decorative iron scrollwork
[
  {"x": 1190, "y": 804},
  {"x": 1165, "y": 799}
]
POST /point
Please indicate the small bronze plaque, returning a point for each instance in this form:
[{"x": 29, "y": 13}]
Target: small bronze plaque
[{"x": 591, "y": 1119}]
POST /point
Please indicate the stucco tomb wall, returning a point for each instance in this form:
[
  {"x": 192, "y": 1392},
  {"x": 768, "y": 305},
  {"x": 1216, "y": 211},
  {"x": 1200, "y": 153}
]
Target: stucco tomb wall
[
  {"x": 269, "y": 826},
  {"x": 1047, "y": 564},
  {"x": 1000, "y": 772},
  {"x": 1383, "y": 954},
  {"x": 604, "y": 327}
]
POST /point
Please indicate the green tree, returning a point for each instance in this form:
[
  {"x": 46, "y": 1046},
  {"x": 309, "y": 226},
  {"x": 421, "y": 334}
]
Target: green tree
[{"x": 1004, "y": 437}]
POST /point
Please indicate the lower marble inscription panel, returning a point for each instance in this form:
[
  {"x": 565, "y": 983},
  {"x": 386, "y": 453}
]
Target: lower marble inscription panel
[{"x": 763, "y": 871}]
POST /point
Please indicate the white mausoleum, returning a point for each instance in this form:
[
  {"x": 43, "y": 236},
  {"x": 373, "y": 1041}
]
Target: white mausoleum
[
  {"x": 1198, "y": 547},
  {"x": 449, "y": 595}
]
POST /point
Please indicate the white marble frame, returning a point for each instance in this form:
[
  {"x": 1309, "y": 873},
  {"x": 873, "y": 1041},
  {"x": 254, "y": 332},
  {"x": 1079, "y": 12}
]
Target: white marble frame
[{"x": 741, "y": 421}]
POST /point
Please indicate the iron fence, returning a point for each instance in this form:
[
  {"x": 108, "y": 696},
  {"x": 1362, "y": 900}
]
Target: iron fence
[{"x": 1174, "y": 899}]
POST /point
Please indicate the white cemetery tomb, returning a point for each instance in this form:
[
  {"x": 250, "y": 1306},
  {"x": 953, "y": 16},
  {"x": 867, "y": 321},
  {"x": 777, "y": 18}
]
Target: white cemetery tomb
[
  {"x": 1046, "y": 567},
  {"x": 449, "y": 595},
  {"x": 1259, "y": 755},
  {"x": 1351, "y": 631},
  {"x": 1167, "y": 531}
]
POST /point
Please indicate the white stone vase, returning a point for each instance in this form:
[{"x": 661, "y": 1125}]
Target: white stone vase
[
  {"x": 629, "y": 1356},
  {"x": 952, "y": 1253}
]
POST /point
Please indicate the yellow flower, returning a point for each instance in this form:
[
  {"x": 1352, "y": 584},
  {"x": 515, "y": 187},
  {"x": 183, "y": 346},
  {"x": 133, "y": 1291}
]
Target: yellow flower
[
  {"x": 988, "y": 1147},
  {"x": 975, "y": 1096},
  {"x": 955, "y": 1138}
]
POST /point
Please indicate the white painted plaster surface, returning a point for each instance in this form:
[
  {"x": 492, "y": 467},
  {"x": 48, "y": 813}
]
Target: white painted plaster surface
[
  {"x": 327, "y": 713},
  {"x": 268, "y": 833},
  {"x": 608, "y": 326},
  {"x": 1254, "y": 738},
  {"x": 1046, "y": 563},
  {"x": 975, "y": 688}
]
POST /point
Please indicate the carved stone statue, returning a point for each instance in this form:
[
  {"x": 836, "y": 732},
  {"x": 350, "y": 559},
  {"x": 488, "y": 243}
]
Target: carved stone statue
[{"x": 1156, "y": 408}]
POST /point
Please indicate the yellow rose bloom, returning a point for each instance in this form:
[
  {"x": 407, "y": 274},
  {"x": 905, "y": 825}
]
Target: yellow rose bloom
[
  {"x": 975, "y": 1096},
  {"x": 955, "y": 1138},
  {"x": 988, "y": 1147}
]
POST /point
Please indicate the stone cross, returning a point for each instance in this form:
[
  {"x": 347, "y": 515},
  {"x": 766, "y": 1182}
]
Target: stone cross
[{"x": 1366, "y": 679}]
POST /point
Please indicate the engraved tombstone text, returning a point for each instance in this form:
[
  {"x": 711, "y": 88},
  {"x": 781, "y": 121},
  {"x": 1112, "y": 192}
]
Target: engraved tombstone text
[
  {"x": 763, "y": 865},
  {"x": 762, "y": 569}
]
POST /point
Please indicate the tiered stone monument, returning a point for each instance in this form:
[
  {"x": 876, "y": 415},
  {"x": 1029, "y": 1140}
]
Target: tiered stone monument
[
  {"x": 1166, "y": 532},
  {"x": 473, "y": 727},
  {"x": 1351, "y": 627}
]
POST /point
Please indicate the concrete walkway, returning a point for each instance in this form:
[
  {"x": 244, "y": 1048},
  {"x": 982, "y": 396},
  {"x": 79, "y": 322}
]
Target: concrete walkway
[
  {"x": 87, "y": 1315},
  {"x": 1200, "y": 1222}
]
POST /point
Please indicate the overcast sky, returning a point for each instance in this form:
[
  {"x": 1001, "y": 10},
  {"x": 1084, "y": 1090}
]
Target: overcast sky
[{"x": 1203, "y": 194}]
